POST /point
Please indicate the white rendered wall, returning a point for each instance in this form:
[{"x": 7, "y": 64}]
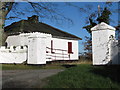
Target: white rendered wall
[
  {"x": 39, "y": 43},
  {"x": 13, "y": 40},
  {"x": 36, "y": 42},
  {"x": 16, "y": 56},
  {"x": 114, "y": 52},
  {"x": 18, "y": 40},
  {"x": 22, "y": 39},
  {"x": 12, "y": 57},
  {"x": 63, "y": 45},
  {"x": 32, "y": 50},
  {"x": 48, "y": 45},
  {"x": 101, "y": 43}
]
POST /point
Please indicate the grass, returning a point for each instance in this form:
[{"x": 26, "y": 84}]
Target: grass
[
  {"x": 29, "y": 67},
  {"x": 86, "y": 76},
  {"x": 81, "y": 75},
  {"x": 54, "y": 65}
]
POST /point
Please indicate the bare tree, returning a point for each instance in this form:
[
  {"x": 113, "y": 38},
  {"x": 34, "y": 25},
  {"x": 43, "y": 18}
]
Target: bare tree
[
  {"x": 4, "y": 10},
  {"x": 42, "y": 9}
]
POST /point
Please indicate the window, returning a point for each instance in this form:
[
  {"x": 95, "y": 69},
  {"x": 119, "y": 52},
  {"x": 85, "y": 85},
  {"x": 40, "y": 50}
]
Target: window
[{"x": 70, "y": 47}]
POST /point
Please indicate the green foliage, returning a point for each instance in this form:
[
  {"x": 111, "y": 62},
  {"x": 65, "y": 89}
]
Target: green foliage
[
  {"x": 105, "y": 16},
  {"x": 88, "y": 27},
  {"x": 3, "y": 25},
  {"x": 85, "y": 76}
]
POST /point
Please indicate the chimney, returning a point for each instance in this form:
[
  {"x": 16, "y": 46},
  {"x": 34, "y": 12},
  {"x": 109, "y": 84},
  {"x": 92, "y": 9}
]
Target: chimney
[{"x": 33, "y": 19}]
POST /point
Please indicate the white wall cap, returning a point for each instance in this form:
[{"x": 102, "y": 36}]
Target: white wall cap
[
  {"x": 2, "y": 47},
  {"x": 34, "y": 34},
  {"x": 102, "y": 26}
]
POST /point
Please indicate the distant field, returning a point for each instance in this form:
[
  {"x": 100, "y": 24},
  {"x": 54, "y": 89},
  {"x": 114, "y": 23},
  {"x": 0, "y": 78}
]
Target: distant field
[{"x": 86, "y": 76}]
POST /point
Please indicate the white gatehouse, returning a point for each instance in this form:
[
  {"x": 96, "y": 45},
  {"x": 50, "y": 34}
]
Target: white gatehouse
[{"x": 38, "y": 48}]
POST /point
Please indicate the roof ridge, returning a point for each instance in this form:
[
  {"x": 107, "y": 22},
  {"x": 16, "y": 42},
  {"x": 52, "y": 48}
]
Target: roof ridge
[
  {"x": 61, "y": 30},
  {"x": 33, "y": 28}
]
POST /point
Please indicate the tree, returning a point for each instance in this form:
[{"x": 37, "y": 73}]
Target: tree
[
  {"x": 88, "y": 27},
  {"x": 43, "y": 10},
  {"x": 105, "y": 16},
  {"x": 88, "y": 48},
  {"x": 5, "y": 8}
]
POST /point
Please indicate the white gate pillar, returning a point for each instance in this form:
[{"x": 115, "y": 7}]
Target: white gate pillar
[
  {"x": 37, "y": 49},
  {"x": 101, "y": 35}
]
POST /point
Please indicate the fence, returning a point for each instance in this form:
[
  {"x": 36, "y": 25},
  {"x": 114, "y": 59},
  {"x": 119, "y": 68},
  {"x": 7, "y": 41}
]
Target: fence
[{"x": 57, "y": 54}]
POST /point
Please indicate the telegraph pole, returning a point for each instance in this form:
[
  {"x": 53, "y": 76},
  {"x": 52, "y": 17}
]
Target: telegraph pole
[{"x": 98, "y": 11}]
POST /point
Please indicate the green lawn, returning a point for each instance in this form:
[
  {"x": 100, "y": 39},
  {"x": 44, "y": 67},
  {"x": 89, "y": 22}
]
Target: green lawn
[
  {"x": 54, "y": 65},
  {"x": 86, "y": 76},
  {"x": 79, "y": 76}
]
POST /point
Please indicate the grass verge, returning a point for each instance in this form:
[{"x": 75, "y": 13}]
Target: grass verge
[
  {"x": 86, "y": 76},
  {"x": 54, "y": 65},
  {"x": 29, "y": 67}
]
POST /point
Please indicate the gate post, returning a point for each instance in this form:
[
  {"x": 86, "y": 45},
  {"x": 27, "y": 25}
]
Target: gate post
[
  {"x": 37, "y": 49},
  {"x": 101, "y": 35}
]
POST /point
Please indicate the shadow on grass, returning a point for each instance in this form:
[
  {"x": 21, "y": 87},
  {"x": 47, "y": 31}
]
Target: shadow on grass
[
  {"x": 111, "y": 72},
  {"x": 68, "y": 65}
]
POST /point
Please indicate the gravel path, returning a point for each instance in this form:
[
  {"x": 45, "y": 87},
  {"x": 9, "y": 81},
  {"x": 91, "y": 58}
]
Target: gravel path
[{"x": 26, "y": 78}]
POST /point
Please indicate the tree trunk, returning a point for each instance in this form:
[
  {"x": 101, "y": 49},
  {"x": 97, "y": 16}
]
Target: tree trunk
[
  {"x": 3, "y": 13},
  {"x": 1, "y": 23}
]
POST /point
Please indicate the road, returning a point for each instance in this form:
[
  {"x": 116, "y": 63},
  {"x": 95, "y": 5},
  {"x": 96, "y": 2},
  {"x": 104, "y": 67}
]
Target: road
[{"x": 26, "y": 78}]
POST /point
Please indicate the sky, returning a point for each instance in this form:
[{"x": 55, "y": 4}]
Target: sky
[{"x": 78, "y": 17}]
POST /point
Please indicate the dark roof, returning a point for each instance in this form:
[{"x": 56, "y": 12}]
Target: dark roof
[{"x": 26, "y": 26}]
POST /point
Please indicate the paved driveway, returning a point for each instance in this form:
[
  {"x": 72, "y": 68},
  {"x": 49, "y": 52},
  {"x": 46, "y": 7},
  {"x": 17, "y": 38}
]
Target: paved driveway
[{"x": 26, "y": 78}]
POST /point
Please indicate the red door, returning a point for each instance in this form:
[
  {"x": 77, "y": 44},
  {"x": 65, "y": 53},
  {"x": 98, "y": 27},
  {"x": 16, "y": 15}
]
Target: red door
[{"x": 70, "y": 47}]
